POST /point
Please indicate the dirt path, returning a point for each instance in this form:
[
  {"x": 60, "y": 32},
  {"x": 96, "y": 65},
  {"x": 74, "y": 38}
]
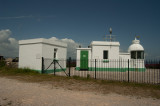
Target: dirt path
[{"x": 16, "y": 93}]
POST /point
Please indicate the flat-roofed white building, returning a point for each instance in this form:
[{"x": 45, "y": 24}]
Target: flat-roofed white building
[{"x": 31, "y": 52}]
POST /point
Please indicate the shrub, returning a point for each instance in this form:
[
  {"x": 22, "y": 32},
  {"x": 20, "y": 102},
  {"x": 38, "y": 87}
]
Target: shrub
[{"x": 2, "y": 63}]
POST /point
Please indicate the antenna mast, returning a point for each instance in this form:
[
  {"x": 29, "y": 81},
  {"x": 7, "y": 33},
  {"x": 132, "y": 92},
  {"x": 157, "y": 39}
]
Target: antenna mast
[
  {"x": 109, "y": 37},
  {"x": 110, "y": 31}
]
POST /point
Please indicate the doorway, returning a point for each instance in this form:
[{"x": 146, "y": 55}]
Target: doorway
[{"x": 84, "y": 60}]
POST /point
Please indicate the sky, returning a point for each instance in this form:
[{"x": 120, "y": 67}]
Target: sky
[{"x": 80, "y": 21}]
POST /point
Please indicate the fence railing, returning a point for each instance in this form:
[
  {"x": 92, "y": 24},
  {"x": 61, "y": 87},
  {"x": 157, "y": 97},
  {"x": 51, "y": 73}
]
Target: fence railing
[{"x": 134, "y": 70}]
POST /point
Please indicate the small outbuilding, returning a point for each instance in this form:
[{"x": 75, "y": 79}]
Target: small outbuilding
[{"x": 31, "y": 52}]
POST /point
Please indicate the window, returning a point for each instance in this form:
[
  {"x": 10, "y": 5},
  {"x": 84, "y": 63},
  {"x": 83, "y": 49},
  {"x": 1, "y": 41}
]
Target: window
[
  {"x": 55, "y": 53},
  {"x": 140, "y": 55},
  {"x": 137, "y": 55},
  {"x": 105, "y": 54},
  {"x": 133, "y": 55}
]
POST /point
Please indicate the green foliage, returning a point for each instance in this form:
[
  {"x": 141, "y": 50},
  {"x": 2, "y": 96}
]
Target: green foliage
[{"x": 2, "y": 63}]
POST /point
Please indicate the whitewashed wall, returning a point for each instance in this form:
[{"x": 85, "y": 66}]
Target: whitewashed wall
[
  {"x": 97, "y": 52},
  {"x": 124, "y": 56},
  {"x": 30, "y": 56},
  {"x": 48, "y": 52}
]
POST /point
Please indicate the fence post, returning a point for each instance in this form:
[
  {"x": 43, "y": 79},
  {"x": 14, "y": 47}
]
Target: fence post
[
  {"x": 95, "y": 68},
  {"x": 42, "y": 65},
  {"x": 128, "y": 70},
  {"x": 69, "y": 65},
  {"x": 54, "y": 62}
]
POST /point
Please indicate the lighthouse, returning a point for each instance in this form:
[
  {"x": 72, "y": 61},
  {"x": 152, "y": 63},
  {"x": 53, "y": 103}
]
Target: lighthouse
[{"x": 136, "y": 50}]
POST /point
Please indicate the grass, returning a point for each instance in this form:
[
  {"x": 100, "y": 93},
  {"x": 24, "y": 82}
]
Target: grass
[
  {"x": 15, "y": 71},
  {"x": 83, "y": 84}
]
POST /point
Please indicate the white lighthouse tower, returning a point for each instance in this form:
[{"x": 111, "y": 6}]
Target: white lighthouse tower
[{"x": 136, "y": 50}]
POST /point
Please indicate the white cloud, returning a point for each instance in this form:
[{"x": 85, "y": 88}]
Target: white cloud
[
  {"x": 8, "y": 45},
  {"x": 71, "y": 46},
  {"x": 4, "y": 35}
]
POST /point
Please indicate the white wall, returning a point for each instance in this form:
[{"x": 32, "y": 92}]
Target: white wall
[
  {"x": 124, "y": 56},
  {"x": 97, "y": 52},
  {"x": 48, "y": 52},
  {"x": 78, "y": 58},
  {"x": 30, "y": 56}
]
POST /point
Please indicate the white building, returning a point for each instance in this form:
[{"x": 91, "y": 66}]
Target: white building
[
  {"x": 31, "y": 52},
  {"x": 108, "y": 57}
]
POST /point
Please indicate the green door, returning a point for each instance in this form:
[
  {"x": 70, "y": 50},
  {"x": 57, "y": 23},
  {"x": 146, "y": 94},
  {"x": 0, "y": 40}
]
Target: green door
[{"x": 84, "y": 60}]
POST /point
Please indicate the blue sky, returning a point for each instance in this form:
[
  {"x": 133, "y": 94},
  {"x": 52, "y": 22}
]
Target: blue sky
[{"x": 84, "y": 20}]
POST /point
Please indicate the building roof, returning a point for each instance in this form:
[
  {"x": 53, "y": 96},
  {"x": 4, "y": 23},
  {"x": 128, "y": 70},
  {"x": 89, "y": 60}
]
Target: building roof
[
  {"x": 135, "y": 46},
  {"x": 124, "y": 53},
  {"x": 104, "y": 43},
  {"x": 83, "y": 48},
  {"x": 43, "y": 41}
]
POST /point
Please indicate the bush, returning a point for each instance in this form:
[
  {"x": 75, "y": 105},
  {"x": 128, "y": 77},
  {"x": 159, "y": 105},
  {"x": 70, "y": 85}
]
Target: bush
[{"x": 2, "y": 63}]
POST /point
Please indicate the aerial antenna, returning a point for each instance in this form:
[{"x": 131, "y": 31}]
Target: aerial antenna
[
  {"x": 109, "y": 37},
  {"x": 110, "y": 31}
]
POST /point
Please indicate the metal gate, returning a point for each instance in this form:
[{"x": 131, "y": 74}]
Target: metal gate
[{"x": 53, "y": 66}]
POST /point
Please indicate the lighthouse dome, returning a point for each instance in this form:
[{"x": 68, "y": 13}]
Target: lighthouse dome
[{"x": 135, "y": 46}]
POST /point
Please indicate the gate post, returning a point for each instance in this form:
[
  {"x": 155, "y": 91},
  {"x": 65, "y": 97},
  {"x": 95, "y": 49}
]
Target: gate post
[
  {"x": 95, "y": 68},
  {"x": 54, "y": 62},
  {"x": 128, "y": 70},
  {"x": 42, "y": 65},
  {"x": 69, "y": 65}
]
